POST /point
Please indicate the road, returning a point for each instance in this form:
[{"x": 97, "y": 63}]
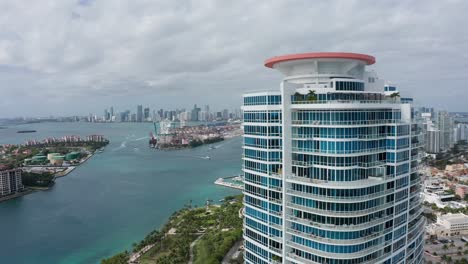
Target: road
[
  {"x": 192, "y": 245},
  {"x": 234, "y": 252}
]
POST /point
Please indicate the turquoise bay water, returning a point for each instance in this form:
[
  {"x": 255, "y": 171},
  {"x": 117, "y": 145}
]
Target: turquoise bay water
[{"x": 112, "y": 200}]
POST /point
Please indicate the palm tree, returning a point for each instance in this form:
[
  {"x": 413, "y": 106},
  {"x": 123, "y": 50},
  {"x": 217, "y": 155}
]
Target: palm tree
[
  {"x": 311, "y": 96},
  {"x": 395, "y": 95}
]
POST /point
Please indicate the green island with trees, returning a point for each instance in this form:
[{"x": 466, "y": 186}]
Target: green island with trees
[
  {"x": 42, "y": 180},
  {"x": 203, "y": 235}
]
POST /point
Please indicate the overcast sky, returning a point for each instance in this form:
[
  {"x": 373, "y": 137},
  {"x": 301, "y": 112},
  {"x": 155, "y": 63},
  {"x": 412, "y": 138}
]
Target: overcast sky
[{"x": 78, "y": 57}]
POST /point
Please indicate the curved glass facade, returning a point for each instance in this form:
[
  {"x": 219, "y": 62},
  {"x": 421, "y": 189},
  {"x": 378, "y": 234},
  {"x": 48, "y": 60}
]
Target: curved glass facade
[{"x": 330, "y": 174}]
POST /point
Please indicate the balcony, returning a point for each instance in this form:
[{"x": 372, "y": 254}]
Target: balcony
[
  {"x": 277, "y": 250},
  {"x": 275, "y": 238},
  {"x": 261, "y": 159},
  {"x": 414, "y": 203},
  {"x": 280, "y": 214},
  {"x": 341, "y": 137},
  {"x": 385, "y": 101},
  {"x": 415, "y": 181},
  {"x": 356, "y": 165},
  {"x": 300, "y": 259},
  {"x": 415, "y": 214},
  {"x": 328, "y": 212},
  {"x": 297, "y": 122},
  {"x": 338, "y": 198},
  {"x": 275, "y": 200},
  {"x": 276, "y": 188},
  {"x": 421, "y": 221},
  {"x": 377, "y": 221},
  {"x": 279, "y": 227},
  {"x": 339, "y": 241},
  {"x": 339, "y": 151},
  {"x": 325, "y": 254},
  {"x": 371, "y": 180}
]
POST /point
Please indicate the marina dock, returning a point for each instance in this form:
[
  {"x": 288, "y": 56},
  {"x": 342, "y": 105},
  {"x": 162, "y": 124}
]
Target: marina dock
[{"x": 236, "y": 184}]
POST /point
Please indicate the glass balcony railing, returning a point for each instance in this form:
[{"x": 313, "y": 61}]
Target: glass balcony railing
[
  {"x": 329, "y": 212},
  {"x": 351, "y": 227},
  {"x": 348, "y": 102},
  {"x": 339, "y": 198},
  {"x": 345, "y": 122},
  {"x": 361, "y": 253},
  {"x": 338, "y": 151},
  {"x": 363, "y": 239},
  {"x": 364, "y": 165},
  {"x": 355, "y": 137}
]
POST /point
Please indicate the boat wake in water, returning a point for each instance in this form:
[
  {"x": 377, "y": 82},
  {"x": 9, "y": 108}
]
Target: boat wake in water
[{"x": 122, "y": 146}]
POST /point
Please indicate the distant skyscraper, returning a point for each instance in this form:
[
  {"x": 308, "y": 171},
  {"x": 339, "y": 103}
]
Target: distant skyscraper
[
  {"x": 111, "y": 113},
  {"x": 330, "y": 166},
  {"x": 106, "y": 115},
  {"x": 432, "y": 140},
  {"x": 125, "y": 116},
  {"x": 445, "y": 126},
  {"x": 225, "y": 114},
  {"x": 146, "y": 113},
  {"x": 139, "y": 113},
  {"x": 195, "y": 112}
]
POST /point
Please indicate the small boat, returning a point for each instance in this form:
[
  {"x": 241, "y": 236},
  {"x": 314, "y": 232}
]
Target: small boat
[
  {"x": 206, "y": 157},
  {"x": 26, "y": 131},
  {"x": 212, "y": 147}
]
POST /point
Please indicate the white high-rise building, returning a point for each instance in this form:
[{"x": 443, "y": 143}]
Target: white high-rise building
[
  {"x": 432, "y": 140},
  {"x": 460, "y": 132},
  {"x": 445, "y": 126},
  {"x": 10, "y": 181},
  {"x": 330, "y": 166}
]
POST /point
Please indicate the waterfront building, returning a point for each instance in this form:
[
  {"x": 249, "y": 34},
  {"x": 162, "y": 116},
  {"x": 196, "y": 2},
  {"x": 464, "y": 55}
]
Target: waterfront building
[
  {"x": 139, "y": 113},
  {"x": 95, "y": 138},
  {"x": 330, "y": 166},
  {"x": 10, "y": 181},
  {"x": 225, "y": 114},
  {"x": 112, "y": 117},
  {"x": 146, "y": 114},
  {"x": 106, "y": 115}
]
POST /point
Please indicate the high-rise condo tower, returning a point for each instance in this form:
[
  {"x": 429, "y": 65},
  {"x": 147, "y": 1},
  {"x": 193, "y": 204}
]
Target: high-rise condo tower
[{"x": 330, "y": 163}]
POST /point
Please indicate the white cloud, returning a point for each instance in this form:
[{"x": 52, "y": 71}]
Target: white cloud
[{"x": 67, "y": 54}]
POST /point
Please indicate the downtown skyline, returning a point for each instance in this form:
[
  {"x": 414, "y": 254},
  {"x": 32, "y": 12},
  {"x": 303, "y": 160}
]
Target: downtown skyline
[{"x": 92, "y": 53}]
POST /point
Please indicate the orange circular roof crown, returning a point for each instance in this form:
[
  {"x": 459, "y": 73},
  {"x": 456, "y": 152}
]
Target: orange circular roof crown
[{"x": 369, "y": 60}]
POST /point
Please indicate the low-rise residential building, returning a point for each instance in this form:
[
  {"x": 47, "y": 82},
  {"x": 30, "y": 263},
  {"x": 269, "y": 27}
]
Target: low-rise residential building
[
  {"x": 461, "y": 190},
  {"x": 436, "y": 192},
  {"x": 10, "y": 181},
  {"x": 440, "y": 198},
  {"x": 453, "y": 224}
]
